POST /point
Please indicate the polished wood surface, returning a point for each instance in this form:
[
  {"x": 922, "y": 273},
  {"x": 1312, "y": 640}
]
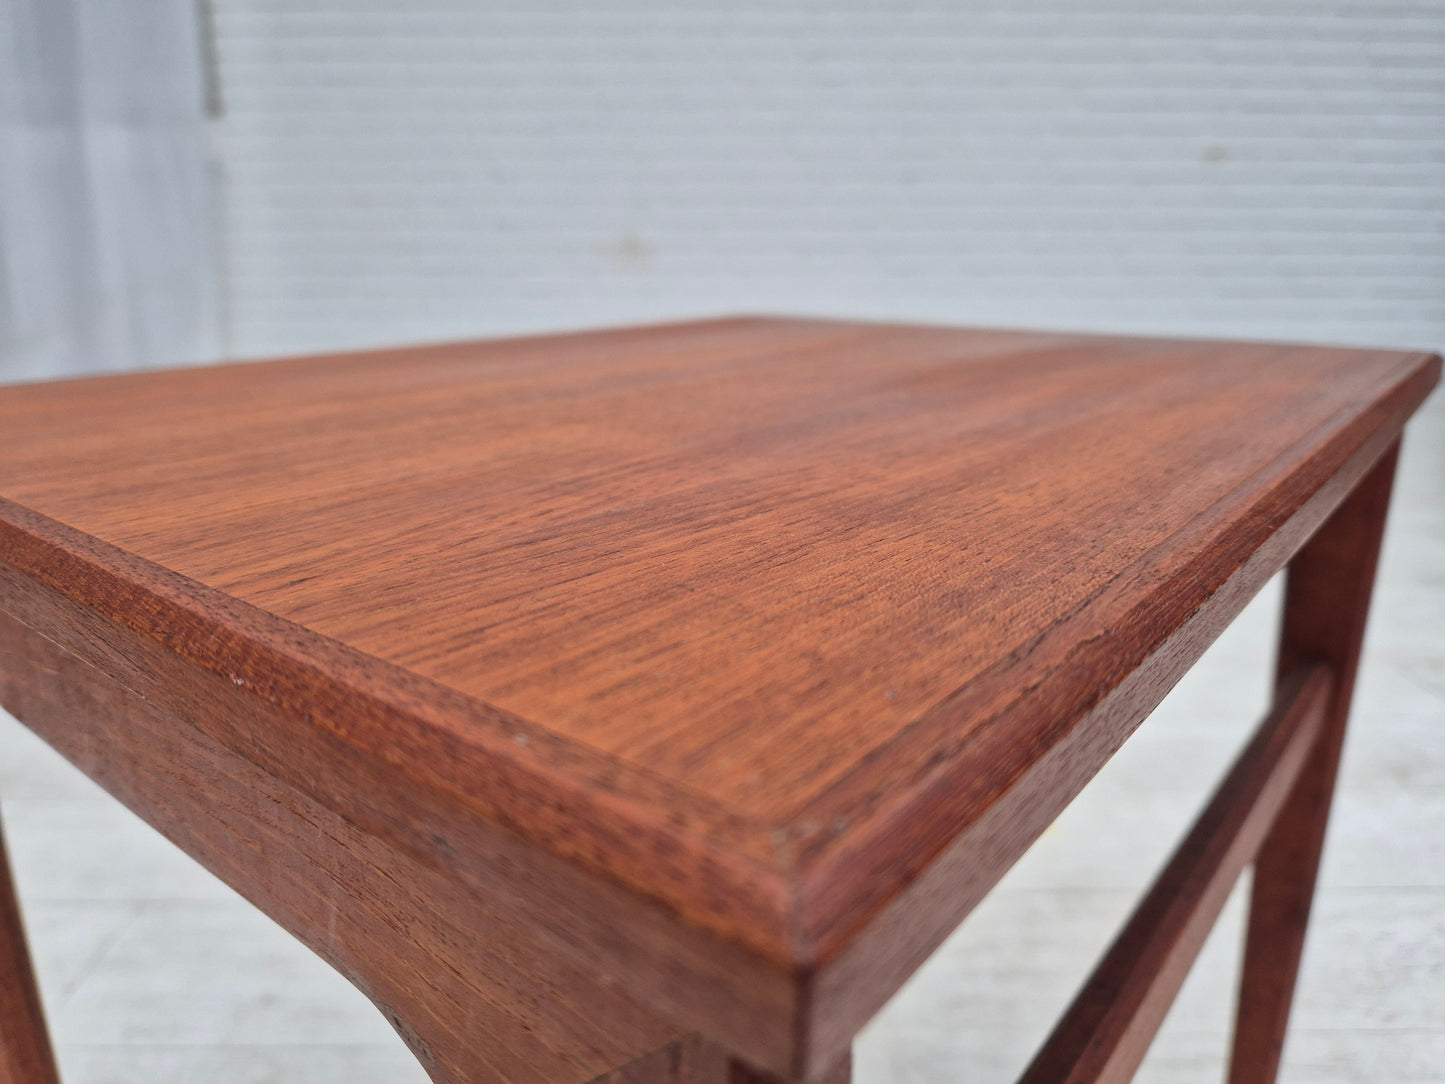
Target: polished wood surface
[
  {"x": 1327, "y": 598},
  {"x": 692, "y": 1061},
  {"x": 1106, "y": 1031},
  {"x": 730, "y": 661},
  {"x": 25, "y": 1054},
  {"x": 478, "y": 994}
]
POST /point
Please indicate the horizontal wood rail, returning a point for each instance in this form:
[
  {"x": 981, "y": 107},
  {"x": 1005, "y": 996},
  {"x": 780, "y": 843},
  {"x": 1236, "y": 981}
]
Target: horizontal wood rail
[{"x": 1107, "y": 1030}]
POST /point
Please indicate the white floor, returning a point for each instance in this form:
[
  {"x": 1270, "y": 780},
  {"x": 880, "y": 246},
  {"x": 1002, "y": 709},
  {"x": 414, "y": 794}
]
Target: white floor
[{"x": 154, "y": 972}]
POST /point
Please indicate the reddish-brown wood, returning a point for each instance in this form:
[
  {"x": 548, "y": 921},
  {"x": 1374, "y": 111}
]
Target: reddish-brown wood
[
  {"x": 25, "y": 1054},
  {"x": 1106, "y": 1032},
  {"x": 695, "y": 1061},
  {"x": 477, "y": 994},
  {"x": 727, "y": 663},
  {"x": 840, "y": 1073},
  {"x": 611, "y": 934},
  {"x": 687, "y": 1061},
  {"x": 1327, "y": 598}
]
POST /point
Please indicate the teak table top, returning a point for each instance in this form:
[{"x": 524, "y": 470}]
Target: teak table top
[{"x": 795, "y": 631}]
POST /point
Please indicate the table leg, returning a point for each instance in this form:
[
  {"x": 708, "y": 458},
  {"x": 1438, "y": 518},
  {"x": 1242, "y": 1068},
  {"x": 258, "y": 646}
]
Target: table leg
[
  {"x": 1327, "y": 596},
  {"x": 695, "y": 1061},
  {"x": 25, "y": 1054},
  {"x": 840, "y": 1073}
]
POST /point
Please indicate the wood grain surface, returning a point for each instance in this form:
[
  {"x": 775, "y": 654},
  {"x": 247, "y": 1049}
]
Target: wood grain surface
[
  {"x": 477, "y": 995},
  {"x": 692, "y": 1061},
  {"x": 25, "y": 1053},
  {"x": 794, "y": 632}
]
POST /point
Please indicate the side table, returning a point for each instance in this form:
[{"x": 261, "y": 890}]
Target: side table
[{"x": 646, "y": 705}]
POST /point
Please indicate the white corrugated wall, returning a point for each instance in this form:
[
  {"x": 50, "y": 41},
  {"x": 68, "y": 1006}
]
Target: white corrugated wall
[
  {"x": 398, "y": 171},
  {"x": 107, "y": 208}
]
